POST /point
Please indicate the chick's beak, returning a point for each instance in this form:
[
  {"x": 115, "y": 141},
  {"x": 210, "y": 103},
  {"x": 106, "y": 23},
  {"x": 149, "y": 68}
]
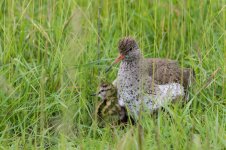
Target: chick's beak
[{"x": 118, "y": 59}]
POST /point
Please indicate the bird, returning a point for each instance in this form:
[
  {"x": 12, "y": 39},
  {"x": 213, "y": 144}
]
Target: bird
[
  {"x": 108, "y": 110},
  {"x": 148, "y": 82},
  {"x": 162, "y": 70}
]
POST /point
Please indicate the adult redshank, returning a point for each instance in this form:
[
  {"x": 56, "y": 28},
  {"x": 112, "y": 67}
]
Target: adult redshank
[{"x": 150, "y": 82}]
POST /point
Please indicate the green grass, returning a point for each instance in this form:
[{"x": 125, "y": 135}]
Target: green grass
[{"x": 50, "y": 64}]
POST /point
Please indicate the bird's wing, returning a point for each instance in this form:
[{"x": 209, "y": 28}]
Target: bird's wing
[{"x": 164, "y": 71}]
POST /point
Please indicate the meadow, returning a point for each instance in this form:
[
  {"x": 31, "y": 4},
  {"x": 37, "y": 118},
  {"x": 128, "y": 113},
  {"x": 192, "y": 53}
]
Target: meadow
[{"x": 53, "y": 54}]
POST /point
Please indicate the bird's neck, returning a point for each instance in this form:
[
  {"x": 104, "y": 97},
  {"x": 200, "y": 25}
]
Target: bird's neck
[
  {"x": 133, "y": 67},
  {"x": 128, "y": 65}
]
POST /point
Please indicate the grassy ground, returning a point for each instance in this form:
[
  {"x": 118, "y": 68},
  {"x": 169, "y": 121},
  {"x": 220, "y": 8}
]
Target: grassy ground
[{"x": 51, "y": 63}]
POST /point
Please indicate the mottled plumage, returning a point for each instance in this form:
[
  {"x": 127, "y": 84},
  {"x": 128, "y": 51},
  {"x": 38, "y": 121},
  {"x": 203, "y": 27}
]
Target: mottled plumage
[
  {"x": 138, "y": 79},
  {"x": 162, "y": 70},
  {"x": 108, "y": 110}
]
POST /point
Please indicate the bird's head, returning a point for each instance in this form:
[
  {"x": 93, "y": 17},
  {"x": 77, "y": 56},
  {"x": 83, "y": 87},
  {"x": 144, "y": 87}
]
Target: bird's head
[
  {"x": 128, "y": 51},
  {"x": 106, "y": 90}
]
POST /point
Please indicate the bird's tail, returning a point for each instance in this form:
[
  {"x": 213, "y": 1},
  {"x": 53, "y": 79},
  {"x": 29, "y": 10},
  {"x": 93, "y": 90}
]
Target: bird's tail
[{"x": 188, "y": 77}]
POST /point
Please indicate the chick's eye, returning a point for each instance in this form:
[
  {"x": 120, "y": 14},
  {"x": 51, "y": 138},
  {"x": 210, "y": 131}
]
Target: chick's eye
[{"x": 130, "y": 49}]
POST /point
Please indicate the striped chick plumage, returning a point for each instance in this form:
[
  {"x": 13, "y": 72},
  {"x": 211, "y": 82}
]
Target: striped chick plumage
[{"x": 108, "y": 110}]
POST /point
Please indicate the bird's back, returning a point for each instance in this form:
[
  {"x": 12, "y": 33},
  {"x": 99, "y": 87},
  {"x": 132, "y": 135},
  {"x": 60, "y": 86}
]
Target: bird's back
[{"x": 165, "y": 71}]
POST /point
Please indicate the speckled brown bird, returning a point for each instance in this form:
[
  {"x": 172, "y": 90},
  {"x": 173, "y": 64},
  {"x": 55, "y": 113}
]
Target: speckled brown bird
[
  {"x": 162, "y": 71},
  {"x": 151, "y": 82}
]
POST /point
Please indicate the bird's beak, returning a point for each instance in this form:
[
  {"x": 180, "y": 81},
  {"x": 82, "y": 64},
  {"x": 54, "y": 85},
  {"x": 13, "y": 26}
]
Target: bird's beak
[{"x": 118, "y": 59}]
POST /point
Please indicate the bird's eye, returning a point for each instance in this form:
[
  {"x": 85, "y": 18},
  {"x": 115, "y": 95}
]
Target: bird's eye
[{"x": 130, "y": 49}]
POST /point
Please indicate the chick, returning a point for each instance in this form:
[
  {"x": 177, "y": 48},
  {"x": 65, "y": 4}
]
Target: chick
[{"x": 108, "y": 110}]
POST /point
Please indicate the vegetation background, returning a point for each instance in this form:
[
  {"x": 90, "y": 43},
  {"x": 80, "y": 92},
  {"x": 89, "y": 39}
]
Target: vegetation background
[{"x": 54, "y": 52}]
